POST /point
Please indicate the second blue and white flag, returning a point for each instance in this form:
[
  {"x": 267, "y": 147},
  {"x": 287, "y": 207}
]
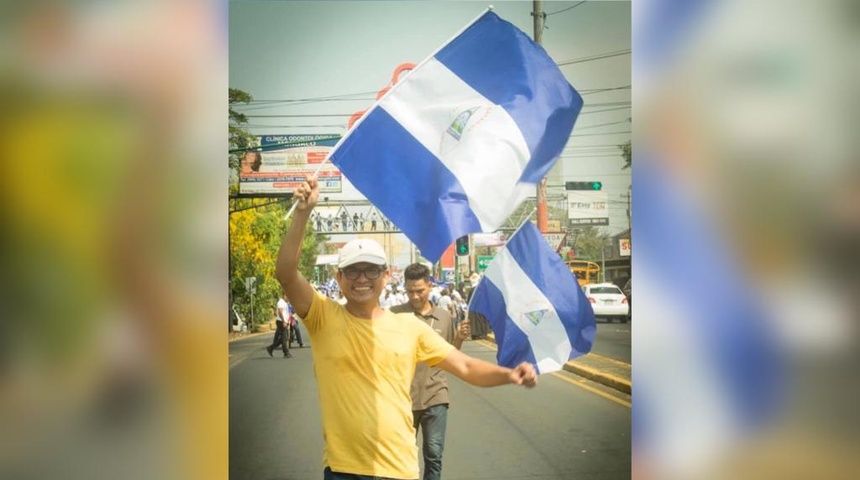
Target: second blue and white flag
[{"x": 534, "y": 304}]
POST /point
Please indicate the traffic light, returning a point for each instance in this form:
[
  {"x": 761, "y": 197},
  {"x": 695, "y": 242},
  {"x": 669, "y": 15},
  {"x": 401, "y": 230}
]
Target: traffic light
[
  {"x": 462, "y": 245},
  {"x": 583, "y": 185}
]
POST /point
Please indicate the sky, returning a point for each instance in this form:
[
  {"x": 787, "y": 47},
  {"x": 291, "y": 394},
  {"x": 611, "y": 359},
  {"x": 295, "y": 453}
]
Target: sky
[
  {"x": 749, "y": 112},
  {"x": 283, "y": 51}
]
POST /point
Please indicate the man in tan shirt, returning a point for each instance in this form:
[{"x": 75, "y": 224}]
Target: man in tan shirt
[{"x": 429, "y": 388}]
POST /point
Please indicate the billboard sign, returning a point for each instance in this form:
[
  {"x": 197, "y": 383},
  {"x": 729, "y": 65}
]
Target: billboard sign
[
  {"x": 282, "y": 168},
  {"x": 588, "y": 208},
  {"x": 624, "y": 247},
  {"x": 494, "y": 239}
]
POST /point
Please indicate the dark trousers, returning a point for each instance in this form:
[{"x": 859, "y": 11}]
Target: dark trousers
[
  {"x": 281, "y": 339},
  {"x": 433, "y": 422}
]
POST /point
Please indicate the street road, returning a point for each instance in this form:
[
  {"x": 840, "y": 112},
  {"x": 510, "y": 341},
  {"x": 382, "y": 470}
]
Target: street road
[
  {"x": 565, "y": 428},
  {"x": 613, "y": 340}
]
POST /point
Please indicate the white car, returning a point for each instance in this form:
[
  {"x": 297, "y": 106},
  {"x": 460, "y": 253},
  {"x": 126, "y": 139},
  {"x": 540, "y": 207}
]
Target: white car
[{"x": 607, "y": 301}]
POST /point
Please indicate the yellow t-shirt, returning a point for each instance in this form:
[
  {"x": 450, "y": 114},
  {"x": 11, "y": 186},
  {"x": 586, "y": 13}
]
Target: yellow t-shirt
[{"x": 364, "y": 369}]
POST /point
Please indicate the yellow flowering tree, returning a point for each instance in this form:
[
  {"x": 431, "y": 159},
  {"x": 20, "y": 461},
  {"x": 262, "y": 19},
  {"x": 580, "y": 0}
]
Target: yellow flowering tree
[{"x": 255, "y": 237}]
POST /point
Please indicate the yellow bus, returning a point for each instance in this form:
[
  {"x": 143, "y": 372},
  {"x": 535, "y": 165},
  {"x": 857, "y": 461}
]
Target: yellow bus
[{"x": 586, "y": 272}]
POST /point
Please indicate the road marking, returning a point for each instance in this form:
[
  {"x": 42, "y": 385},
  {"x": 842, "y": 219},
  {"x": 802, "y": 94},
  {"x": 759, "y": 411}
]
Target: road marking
[
  {"x": 581, "y": 383},
  {"x": 619, "y": 362}
]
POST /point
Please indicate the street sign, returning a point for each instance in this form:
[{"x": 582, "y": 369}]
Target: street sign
[
  {"x": 586, "y": 222},
  {"x": 588, "y": 208},
  {"x": 482, "y": 261},
  {"x": 554, "y": 239}
]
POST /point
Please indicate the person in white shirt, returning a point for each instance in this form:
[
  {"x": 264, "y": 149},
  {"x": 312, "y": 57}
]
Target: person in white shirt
[
  {"x": 282, "y": 333},
  {"x": 386, "y": 300},
  {"x": 446, "y": 303},
  {"x": 401, "y": 297}
]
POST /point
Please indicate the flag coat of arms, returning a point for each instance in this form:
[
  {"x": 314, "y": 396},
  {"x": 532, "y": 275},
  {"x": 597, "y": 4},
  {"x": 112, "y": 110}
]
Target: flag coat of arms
[
  {"x": 534, "y": 304},
  {"x": 463, "y": 139}
]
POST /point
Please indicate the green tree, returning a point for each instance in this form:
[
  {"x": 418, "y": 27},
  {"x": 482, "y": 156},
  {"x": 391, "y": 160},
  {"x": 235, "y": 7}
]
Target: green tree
[
  {"x": 256, "y": 232},
  {"x": 589, "y": 243},
  {"x": 255, "y": 238},
  {"x": 237, "y": 135},
  {"x": 627, "y": 154}
]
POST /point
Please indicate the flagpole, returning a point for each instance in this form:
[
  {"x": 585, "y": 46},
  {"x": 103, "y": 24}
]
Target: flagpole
[
  {"x": 389, "y": 92},
  {"x": 522, "y": 224},
  {"x": 539, "y": 17}
]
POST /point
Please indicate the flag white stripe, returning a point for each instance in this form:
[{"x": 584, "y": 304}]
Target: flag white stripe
[
  {"x": 548, "y": 339},
  {"x": 428, "y": 102}
]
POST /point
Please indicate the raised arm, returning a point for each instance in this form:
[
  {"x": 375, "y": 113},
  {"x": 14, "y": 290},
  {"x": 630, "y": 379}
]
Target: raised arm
[
  {"x": 296, "y": 287},
  {"x": 485, "y": 374}
]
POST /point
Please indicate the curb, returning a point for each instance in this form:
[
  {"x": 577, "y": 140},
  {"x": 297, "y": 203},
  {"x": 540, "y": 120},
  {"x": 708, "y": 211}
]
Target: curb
[
  {"x": 611, "y": 381},
  {"x": 621, "y": 384}
]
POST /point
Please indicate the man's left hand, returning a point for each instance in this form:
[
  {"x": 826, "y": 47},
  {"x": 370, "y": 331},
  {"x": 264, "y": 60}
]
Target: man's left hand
[{"x": 464, "y": 330}]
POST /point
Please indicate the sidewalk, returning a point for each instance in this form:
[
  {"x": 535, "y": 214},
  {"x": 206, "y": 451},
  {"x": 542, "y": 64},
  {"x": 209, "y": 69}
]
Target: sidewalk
[
  {"x": 261, "y": 329},
  {"x": 607, "y": 371}
]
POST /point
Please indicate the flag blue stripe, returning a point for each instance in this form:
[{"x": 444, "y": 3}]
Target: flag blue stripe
[
  {"x": 514, "y": 347},
  {"x": 727, "y": 315},
  {"x": 552, "y": 277},
  {"x": 505, "y": 66},
  {"x": 414, "y": 181}
]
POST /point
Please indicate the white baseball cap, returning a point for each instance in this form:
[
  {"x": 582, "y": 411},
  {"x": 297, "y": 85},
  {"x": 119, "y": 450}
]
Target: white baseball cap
[{"x": 361, "y": 250}]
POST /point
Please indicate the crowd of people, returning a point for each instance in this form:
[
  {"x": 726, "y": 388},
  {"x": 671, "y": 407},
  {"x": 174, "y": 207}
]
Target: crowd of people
[
  {"x": 453, "y": 299},
  {"x": 343, "y": 222}
]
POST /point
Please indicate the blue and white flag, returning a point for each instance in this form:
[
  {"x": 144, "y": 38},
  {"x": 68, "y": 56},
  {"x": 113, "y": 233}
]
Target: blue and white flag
[
  {"x": 534, "y": 304},
  {"x": 463, "y": 139}
]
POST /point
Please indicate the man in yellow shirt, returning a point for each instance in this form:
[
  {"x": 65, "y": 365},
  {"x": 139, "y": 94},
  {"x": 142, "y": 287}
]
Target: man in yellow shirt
[{"x": 365, "y": 357}]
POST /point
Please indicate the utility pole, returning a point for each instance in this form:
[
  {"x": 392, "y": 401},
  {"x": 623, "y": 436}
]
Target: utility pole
[
  {"x": 602, "y": 263},
  {"x": 629, "y": 206},
  {"x": 539, "y": 17}
]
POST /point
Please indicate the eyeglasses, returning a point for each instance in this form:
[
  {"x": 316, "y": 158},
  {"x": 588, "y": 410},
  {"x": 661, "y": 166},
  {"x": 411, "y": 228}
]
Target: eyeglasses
[{"x": 370, "y": 273}]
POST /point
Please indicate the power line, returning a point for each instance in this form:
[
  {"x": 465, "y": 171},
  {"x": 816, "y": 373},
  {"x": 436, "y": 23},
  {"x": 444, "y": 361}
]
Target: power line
[
  {"x": 338, "y": 125},
  {"x": 601, "y": 90},
  {"x": 341, "y": 96},
  {"x": 265, "y": 104},
  {"x": 594, "y": 57},
  {"x": 595, "y": 134},
  {"x": 566, "y": 9},
  {"x": 593, "y": 146},
  {"x": 602, "y": 124},
  {"x": 606, "y": 110},
  {"x": 607, "y": 104},
  {"x": 274, "y": 103},
  {"x": 301, "y": 115}
]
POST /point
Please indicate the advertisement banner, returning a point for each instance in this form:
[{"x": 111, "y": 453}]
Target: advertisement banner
[
  {"x": 624, "y": 247},
  {"x": 280, "y": 169},
  {"x": 588, "y": 208},
  {"x": 494, "y": 239}
]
